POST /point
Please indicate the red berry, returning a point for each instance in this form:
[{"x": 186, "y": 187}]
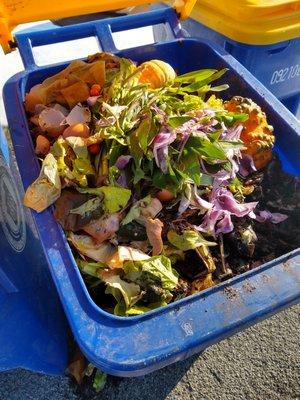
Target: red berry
[
  {"x": 94, "y": 148},
  {"x": 95, "y": 90}
]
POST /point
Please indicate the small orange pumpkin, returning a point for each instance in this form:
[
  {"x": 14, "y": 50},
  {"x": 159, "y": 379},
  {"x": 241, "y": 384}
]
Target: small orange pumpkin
[
  {"x": 156, "y": 73},
  {"x": 257, "y": 134}
]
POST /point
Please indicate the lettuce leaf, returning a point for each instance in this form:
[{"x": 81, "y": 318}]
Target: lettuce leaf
[
  {"x": 189, "y": 240},
  {"x": 115, "y": 197},
  {"x": 91, "y": 268},
  {"x": 148, "y": 207},
  {"x": 87, "y": 208},
  {"x": 121, "y": 290},
  {"x": 155, "y": 270},
  {"x": 82, "y": 166},
  {"x": 137, "y": 309},
  {"x": 59, "y": 151}
]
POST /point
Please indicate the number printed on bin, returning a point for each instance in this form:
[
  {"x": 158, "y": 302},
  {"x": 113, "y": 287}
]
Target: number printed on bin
[
  {"x": 187, "y": 328},
  {"x": 284, "y": 74}
]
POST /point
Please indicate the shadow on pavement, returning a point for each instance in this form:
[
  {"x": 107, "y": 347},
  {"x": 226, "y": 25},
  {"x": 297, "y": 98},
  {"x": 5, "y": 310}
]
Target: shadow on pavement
[
  {"x": 21, "y": 385},
  {"x": 155, "y": 386}
]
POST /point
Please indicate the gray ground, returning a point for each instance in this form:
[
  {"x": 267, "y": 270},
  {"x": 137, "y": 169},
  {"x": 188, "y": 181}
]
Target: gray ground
[{"x": 260, "y": 363}]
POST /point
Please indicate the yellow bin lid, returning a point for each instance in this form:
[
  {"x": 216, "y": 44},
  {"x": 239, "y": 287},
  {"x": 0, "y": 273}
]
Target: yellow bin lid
[
  {"x": 13, "y": 13},
  {"x": 251, "y": 21}
]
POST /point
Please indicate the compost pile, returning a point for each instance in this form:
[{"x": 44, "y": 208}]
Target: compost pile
[{"x": 162, "y": 188}]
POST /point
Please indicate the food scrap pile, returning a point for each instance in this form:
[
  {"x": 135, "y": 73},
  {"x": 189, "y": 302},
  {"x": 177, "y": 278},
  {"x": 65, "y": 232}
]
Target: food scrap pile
[{"x": 154, "y": 178}]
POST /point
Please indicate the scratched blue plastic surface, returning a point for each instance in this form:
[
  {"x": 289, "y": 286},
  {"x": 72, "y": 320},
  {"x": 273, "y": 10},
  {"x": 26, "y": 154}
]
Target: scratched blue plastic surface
[
  {"x": 138, "y": 345},
  {"x": 33, "y": 328},
  {"x": 276, "y": 65}
]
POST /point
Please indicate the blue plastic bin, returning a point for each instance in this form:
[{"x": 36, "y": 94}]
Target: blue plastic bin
[
  {"x": 276, "y": 65},
  {"x": 33, "y": 328},
  {"x": 137, "y": 345}
]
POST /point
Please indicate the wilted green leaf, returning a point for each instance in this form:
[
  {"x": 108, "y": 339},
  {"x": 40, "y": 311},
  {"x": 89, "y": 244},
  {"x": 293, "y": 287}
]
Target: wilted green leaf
[
  {"x": 115, "y": 197},
  {"x": 158, "y": 267},
  {"x": 139, "y": 309},
  {"x": 99, "y": 381},
  {"x": 174, "y": 122},
  {"x": 88, "y": 207},
  {"x": 198, "y": 75},
  {"x": 122, "y": 290},
  {"x": 189, "y": 240},
  {"x": 90, "y": 268},
  {"x": 136, "y": 210}
]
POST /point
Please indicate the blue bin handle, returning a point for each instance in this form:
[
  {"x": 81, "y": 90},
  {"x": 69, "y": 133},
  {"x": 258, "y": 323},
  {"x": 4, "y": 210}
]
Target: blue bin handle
[{"x": 102, "y": 29}]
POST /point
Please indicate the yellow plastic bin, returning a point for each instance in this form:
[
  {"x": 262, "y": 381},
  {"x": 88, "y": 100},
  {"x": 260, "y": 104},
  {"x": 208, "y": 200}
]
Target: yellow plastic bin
[{"x": 264, "y": 35}]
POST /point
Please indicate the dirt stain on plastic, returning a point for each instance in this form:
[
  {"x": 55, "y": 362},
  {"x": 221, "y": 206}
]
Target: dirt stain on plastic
[
  {"x": 248, "y": 287},
  {"x": 231, "y": 293},
  {"x": 286, "y": 265},
  {"x": 266, "y": 278}
]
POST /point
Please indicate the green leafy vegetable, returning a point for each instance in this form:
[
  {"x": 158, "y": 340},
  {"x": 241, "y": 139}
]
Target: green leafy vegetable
[
  {"x": 137, "y": 309},
  {"x": 205, "y": 148},
  {"x": 122, "y": 290},
  {"x": 189, "y": 240},
  {"x": 87, "y": 208},
  {"x": 115, "y": 197},
  {"x": 155, "y": 269},
  {"x": 99, "y": 381},
  {"x": 174, "y": 122},
  {"x": 231, "y": 118},
  {"x": 91, "y": 268},
  {"x": 136, "y": 210},
  {"x": 59, "y": 151},
  {"x": 196, "y": 76},
  {"x": 82, "y": 166}
]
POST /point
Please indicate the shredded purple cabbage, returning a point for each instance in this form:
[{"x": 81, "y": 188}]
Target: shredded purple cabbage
[
  {"x": 246, "y": 165},
  {"x": 161, "y": 143},
  {"x": 218, "y": 218},
  {"x": 123, "y": 161},
  {"x": 267, "y": 216},
  {"x": 233, "y": 133}
]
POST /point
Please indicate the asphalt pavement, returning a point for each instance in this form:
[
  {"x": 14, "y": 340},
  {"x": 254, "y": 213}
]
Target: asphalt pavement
[{"x": 260, "y": 363}]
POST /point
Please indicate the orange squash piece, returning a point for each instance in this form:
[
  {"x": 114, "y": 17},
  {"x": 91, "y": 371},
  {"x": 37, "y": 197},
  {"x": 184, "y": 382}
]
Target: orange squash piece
[
  {"x": 257, "y": 134},
  {"x": 156, "y": 73}
]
